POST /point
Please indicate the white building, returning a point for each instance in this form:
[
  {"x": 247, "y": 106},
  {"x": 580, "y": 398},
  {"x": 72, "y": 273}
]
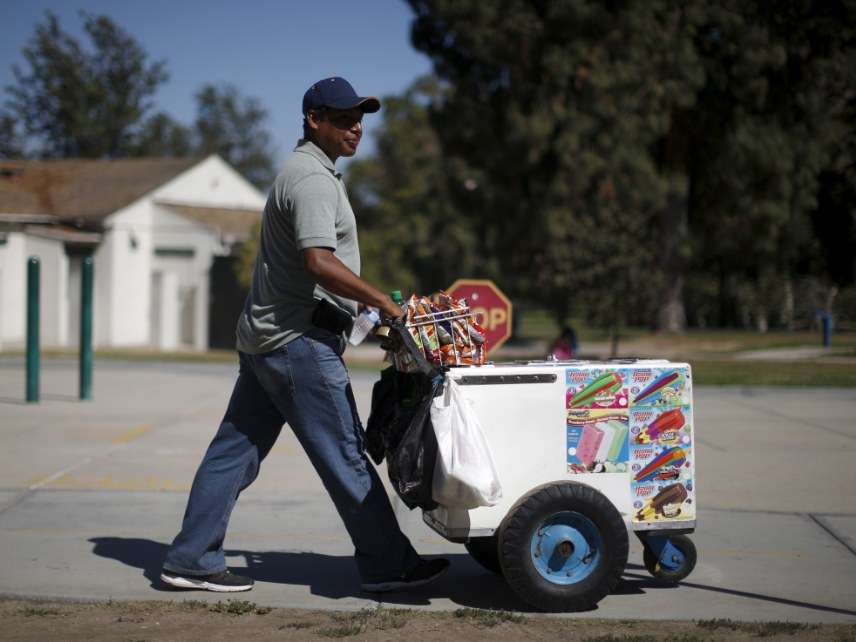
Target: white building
[{"x": 155, "y": 229}]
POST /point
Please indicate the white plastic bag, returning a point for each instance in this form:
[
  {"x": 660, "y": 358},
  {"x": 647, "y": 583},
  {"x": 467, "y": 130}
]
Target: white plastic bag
[{"x": 465, "y": 473}]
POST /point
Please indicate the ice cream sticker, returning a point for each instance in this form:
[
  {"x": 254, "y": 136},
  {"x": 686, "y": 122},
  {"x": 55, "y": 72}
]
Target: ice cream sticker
[
  {"x": 597, "y": 441},
  {"x": 669, "y": 503},
  {"x": 596, "y": 388},
  {"x": 658, "y": 387},
  {"x": 661, "y": 463}
]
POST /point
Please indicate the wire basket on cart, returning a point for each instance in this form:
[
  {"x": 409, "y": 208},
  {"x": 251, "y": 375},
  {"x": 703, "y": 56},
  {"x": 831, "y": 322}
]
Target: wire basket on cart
[{"x": 444, "y": 331}]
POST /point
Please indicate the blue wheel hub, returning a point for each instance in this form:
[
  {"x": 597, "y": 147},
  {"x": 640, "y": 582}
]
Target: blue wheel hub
[
  {"x": 668, "y": 555},
  {"x": 566, "y": 548}
]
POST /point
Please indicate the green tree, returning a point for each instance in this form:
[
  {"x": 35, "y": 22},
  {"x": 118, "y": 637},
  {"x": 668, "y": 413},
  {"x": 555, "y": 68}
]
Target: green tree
[
  {"x": 414, "y": 236},
  {"x": 160, "y": 135},
  {"x": 10, "y": 143},
  {"x": 764, "y": 127},
  {"x": 233, "y": 126},
  {"x": 83, "y": 102},
  {"x": 558, "y": 104}
]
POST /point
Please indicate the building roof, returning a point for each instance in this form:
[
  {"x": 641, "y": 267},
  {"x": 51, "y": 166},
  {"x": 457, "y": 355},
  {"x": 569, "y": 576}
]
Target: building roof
[
  {"x": 234, "y": 225},
  {"x": 64, "y": 233},
  {"x": 81, "y": 190}
]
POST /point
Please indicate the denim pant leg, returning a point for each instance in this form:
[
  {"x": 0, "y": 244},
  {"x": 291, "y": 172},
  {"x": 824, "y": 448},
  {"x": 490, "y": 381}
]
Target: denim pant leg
[
  {"x": 319, "y": 406},
  {"x": 248, "y": 431}
]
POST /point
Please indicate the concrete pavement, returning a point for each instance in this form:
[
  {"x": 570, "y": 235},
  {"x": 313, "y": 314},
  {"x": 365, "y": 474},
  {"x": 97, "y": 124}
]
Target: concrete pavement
[{"x": 91, "y": 493}]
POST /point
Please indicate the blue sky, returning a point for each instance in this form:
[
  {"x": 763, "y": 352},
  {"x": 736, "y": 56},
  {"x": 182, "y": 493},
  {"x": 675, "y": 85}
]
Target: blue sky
[{"x": 270, "y": 49}]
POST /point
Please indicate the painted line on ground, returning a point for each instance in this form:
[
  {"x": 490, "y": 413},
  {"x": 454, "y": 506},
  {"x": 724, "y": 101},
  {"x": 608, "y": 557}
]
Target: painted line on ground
[
  {"x": 132, "y": 434},
  {"x": 831, "y": 532},
  {"x": 125, "y": 440}
]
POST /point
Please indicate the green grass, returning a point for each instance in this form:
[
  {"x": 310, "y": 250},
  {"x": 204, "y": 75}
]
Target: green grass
[
  {"x": 757, "y": 629},
  {"x": 710, "y": 352},
  {"x": 487, "y": 618},
  {"x": 773, "y": 373},
  {"x": 37, "y": 611},
  {"x": 239, "y": 607},
  {"x": 355, "y": 623},
  {"x": 297, "y": 626}
]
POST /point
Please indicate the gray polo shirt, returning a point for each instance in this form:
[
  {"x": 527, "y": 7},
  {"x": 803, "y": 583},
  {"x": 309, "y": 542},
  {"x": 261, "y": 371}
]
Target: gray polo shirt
[{"x": 307, "y": 207}]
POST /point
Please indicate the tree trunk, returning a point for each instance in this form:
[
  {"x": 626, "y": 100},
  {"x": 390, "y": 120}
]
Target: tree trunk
[
  {"x": 671, "y": 316},
  {"x": 613, "y": 341},
  {"x": 674, "y": 232},
  {"x": 788, "y": 305}
]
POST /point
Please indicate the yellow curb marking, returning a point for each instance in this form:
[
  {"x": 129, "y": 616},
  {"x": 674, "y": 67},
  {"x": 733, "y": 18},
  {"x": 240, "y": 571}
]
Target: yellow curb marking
[
  {"x": 118, "y": 441},
  {"x": 132, "y": 434}
]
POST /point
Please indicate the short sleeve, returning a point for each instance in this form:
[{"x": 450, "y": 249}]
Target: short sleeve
[{"x": 314, "y": 204}]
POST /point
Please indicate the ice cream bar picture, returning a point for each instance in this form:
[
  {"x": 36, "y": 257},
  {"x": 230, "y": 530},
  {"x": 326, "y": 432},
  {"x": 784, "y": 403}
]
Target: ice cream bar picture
[
  {"x": 614, "y": 434},
  {"x": 606, "y": 442},
  {"x": 656, "y": 386},
  {"x": 670, "y": 420},
  {"x": 589, "y": 444},
  {"x": 669, "y": 457},
  {"x": 618, "y": 440},
  {"x": 609, "y": 382},
  {"x": 666, "y": 503}
]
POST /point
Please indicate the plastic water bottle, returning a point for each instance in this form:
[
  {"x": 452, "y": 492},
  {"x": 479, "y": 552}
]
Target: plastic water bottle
[{"x": 363, "y": 324}]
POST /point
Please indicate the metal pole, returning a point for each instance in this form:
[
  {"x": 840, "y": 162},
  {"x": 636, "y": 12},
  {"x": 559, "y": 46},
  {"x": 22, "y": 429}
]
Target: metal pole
[
  {"x": 86, "y": 329},
  {"x": 826, "y": 326},
  {"x": 33, "y": 329}
]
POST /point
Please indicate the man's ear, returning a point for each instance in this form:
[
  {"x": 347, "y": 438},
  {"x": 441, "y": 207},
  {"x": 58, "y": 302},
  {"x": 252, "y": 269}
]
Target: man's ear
[{"x": 312, "y": 119}]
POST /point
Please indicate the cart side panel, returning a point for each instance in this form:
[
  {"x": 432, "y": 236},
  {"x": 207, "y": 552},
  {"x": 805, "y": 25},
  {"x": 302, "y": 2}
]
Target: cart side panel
[
  {"x": 662, "y": 453},
  {"x": 579, "y": 426}
]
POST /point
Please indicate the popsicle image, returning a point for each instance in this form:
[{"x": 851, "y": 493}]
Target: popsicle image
[
  {"x": 589, "y": 443},
  {"x": 657, "y": 385},
  {"x": 669, "y": 420},
  {"x": 609, "y": 382},
  {"x": 614, "y": 436},
  {"x": 606, "y": 442},
  {"x": 669, "y": 495},
  {"x": 669, "y": 457},
  {"x": 618, "y": 440}
]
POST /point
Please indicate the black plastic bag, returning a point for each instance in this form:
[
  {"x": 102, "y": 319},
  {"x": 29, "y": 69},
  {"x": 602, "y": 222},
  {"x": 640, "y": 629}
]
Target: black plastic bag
[{"x": 399, "y": 429}]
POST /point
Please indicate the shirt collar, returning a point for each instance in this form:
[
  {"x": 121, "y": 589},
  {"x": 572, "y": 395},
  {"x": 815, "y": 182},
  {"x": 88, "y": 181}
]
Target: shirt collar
[{"x": 308, "y": 147}]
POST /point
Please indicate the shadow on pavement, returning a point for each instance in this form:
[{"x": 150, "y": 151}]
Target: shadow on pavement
[
  {"x": 335, "y": 577},
  {"x": 331, "y": 576},
  {"x": 643, "y": 582}
]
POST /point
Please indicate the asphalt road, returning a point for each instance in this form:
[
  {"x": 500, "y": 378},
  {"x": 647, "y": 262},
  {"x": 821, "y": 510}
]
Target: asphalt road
[{"x": 91, "y": 493}]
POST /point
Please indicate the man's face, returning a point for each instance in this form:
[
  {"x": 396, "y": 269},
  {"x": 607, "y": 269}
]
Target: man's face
[{"x": 337, "y": 131}]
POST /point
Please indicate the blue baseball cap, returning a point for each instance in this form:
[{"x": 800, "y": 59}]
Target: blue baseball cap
[{"x": 337, "y": 93}]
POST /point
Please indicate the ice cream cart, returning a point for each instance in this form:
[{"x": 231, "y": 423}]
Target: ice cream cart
[{"x": 586, "y": 453}]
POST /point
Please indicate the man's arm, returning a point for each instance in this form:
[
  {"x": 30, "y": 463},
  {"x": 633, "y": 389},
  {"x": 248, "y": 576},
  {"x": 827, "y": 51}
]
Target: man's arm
[{"x": 329, "y": 272}]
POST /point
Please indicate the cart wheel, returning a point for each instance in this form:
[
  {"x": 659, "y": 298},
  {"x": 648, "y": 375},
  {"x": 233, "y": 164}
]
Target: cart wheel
[
  {"x": 563, "y": 547},
  {"x": 485, "y": 551},
  {"x": 676, "y": 558}
]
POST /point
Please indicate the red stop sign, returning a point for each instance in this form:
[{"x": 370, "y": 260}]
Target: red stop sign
[{"x": 491, "y": 307}]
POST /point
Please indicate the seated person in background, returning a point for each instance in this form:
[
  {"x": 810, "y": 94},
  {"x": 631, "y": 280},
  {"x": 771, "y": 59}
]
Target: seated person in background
[{"x": 564, "y": 347}]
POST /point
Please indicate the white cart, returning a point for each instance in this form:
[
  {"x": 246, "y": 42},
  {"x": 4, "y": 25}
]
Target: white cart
[{"x": 586, "y": 452}]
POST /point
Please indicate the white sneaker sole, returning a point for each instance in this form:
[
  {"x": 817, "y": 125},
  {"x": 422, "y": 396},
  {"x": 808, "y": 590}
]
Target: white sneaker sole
[
  {"x": 190, "y": 583},
  {"x": 394, "y": 585}
]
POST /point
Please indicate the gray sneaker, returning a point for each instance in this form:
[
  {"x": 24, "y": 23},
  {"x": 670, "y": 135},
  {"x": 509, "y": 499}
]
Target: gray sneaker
[
  {"x": 224, "y": 582},
  {"x": 425, "y": 571}
]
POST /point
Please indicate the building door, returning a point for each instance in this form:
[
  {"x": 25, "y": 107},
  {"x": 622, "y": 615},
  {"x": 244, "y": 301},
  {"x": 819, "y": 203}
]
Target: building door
[
  {"x": 187, "y": 303},
  {"x": 75, "y": 267}
]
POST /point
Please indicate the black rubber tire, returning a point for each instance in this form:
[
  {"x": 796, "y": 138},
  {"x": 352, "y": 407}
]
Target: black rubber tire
[
  {"x": 528, "y": 514},
  {"x": 485, "y": 551},
  {"x": 667, "y": 576}
]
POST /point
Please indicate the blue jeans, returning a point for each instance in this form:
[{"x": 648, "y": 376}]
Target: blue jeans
[{"x": 305, "y": 384}]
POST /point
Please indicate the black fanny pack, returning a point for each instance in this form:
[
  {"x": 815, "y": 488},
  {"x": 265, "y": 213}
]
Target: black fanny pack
[{"x": 329, "y": 316}]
